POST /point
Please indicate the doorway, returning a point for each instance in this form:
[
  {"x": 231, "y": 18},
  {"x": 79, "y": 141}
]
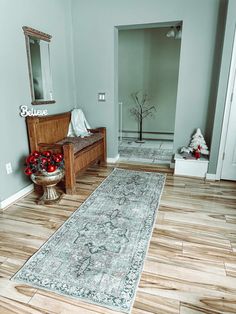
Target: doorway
[
  {"x": 228, "y": 139},
  {"x": 148, "y": 68}
]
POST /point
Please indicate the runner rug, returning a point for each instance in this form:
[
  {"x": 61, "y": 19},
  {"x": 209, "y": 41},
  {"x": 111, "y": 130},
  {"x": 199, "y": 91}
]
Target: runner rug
[
  {"x": 97, "y": 255},
  {"x": 145, "y": 154}
]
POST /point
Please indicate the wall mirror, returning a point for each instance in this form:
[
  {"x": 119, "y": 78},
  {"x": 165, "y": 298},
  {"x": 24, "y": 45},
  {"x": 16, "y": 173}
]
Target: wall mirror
[{"x": 38, "y": 55}]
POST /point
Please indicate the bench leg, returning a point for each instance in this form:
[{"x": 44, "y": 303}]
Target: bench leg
[
  {"x": 70, "y": 191},
  {"x": 104, "y": 146},
  {"x": 68, "y": 150}
]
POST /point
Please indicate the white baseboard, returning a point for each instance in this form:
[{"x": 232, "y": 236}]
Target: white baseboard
[
  {"x": 13, "y": 198},
  {"x": 211, "y": 176},
  {"x": 146, "y": 136},
  {"x": 113, "y": 160}
]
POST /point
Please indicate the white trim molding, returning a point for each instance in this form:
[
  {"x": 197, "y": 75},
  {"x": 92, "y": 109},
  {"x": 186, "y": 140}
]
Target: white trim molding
[
  {"x": 15, "y": 197},
  {"x": 113, "y": 160},
  {"x": 211, "y": 177},
  {"x": 232, "y": 77},
  {"x": 148, "y": 135}
]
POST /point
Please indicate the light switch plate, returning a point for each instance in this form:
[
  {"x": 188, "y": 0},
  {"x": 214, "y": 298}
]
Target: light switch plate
[{"x": 101, "y": 97}]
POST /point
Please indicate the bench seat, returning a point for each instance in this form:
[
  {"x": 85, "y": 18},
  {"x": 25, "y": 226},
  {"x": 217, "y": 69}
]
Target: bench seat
[{"x": 80, "y": 143}]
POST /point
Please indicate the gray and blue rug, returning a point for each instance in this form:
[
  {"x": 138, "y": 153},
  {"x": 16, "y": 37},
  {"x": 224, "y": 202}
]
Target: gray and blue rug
[
  {"x": 152, "y": 152},
  {"x": 97, "y": 255}
]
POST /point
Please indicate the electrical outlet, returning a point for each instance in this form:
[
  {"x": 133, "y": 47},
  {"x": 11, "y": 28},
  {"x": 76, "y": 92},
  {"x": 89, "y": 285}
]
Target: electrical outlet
[{"x": 8, "y": 168}]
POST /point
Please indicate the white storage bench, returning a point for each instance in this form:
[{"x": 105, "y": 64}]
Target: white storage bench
[{"x": 191, "y": 167}]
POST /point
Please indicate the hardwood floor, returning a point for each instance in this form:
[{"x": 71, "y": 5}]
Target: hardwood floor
[{"x": 191, "y": 263}]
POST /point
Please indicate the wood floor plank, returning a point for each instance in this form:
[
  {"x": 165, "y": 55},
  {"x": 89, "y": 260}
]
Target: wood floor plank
[
  {"x": 197, "y": 297},
  {"x": 154, "y": 304},
  {"x": 190, "y": 265},
  {"x": 230, "y": 269},
  {"x": 161, "y": 255},
  {"x": 56, "y": 303},
  {"x": 208, "y": 253},
  {"x": 9, "y": 306},
  {"x": 10, "y": 266},
  {"x": 16, "y": 291},
  {"x": 186, "y": 308},
  {"x": 195, "y": 278},
  {"x": 214, "y": 306}
]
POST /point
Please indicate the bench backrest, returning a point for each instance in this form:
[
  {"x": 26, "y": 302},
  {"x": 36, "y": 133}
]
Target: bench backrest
[{"x": 49, "y": 129}]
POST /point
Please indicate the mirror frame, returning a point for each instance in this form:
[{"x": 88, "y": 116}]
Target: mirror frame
[{"x": 28, "y": 31}]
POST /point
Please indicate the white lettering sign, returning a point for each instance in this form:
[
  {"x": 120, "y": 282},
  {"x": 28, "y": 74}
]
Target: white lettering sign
[{"x": 25, "y": 111}]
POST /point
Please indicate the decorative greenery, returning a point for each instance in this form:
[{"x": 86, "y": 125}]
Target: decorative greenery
[
  {"x": 46, "y": 161},
  {"x": 142, "y": 110}
]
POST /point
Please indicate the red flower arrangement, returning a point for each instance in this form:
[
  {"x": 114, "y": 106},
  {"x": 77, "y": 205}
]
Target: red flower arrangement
[{"x": 41, "y": 162}]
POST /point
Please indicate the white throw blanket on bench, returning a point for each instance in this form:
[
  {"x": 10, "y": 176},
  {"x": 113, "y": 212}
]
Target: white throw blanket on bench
[{"x": 78, "y": 125}]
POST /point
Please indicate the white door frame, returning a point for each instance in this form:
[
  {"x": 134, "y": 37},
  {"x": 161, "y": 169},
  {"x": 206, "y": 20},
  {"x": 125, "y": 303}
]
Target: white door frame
[{"x": 230, "y": 87}]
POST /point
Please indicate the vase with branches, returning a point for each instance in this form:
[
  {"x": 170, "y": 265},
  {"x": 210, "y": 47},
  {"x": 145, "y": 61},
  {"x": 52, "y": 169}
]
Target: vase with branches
[{"x": 141, "y": 110}]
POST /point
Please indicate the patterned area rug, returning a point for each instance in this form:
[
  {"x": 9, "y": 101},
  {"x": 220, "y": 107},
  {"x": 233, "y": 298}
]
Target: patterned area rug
[
  {"x": 97, "y": 255},
  {"x": 147, "y": 153}
]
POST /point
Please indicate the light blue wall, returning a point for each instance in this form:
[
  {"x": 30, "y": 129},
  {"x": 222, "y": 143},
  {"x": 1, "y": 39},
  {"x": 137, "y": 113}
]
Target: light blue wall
[
  {"x": 131, "y": 62},
  {"x": 95, "y": 57},
  {"x": 149, "y": 61},
  {"x": 52, "y": 17}
]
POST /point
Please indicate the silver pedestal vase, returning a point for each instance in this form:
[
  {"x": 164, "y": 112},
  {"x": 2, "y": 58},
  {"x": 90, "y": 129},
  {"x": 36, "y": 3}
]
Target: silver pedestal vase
[{"x": 48, "y": 181}]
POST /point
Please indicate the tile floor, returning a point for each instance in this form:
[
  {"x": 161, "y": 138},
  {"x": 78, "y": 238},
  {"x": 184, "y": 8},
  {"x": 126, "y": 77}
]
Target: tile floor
[{"x": 151, "y": 151}]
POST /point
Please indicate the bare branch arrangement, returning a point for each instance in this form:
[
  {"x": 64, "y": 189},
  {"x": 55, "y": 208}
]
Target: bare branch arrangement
[{"x": 142, "y": 110}]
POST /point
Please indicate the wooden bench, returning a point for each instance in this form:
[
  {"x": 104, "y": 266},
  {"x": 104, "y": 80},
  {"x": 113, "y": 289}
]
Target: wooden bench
[{"x": 50, "y": 133}]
